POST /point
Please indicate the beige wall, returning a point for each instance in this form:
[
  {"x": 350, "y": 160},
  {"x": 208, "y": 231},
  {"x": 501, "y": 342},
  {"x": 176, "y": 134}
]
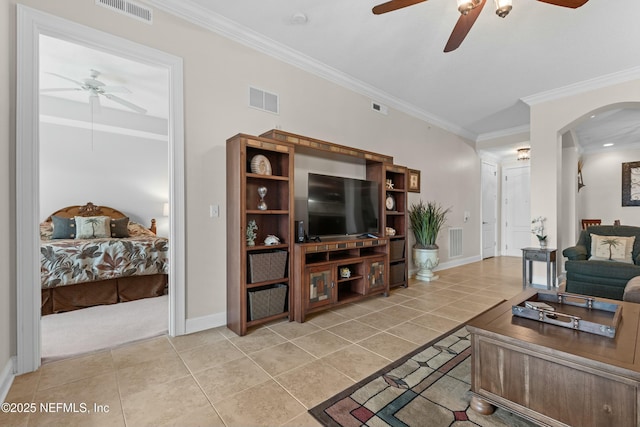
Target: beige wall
[
  {"x": 217, "y": 73},
  {"x": 549, "y": 120}
]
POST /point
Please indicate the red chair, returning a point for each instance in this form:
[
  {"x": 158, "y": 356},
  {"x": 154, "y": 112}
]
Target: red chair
[{"x": 589, "y": 222}]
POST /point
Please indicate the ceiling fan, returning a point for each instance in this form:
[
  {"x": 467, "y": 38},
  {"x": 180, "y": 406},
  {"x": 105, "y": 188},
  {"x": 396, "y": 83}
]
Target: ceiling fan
[
  {"x": 96, "y": 88},
  {"x": 469, "y": 9}
]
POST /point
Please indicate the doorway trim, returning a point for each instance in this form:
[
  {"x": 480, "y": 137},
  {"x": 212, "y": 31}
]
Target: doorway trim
[{"x": 31, "y": 23}]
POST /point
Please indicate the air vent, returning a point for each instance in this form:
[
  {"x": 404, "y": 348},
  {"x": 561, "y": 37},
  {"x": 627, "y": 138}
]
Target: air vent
[
  {"x": 129, "y": 8},
  {"x": 455, "y": 242},
  {"x": 263, "y": 100}
]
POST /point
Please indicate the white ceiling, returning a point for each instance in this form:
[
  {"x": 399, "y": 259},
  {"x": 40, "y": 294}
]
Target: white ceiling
[{"x": 397, "y": 58}]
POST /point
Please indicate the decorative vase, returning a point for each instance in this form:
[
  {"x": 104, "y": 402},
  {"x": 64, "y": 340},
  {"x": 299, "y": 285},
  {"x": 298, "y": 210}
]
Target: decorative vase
[
  {"x": 426, "y": 260},
  {"x": 543, "y": 243}
]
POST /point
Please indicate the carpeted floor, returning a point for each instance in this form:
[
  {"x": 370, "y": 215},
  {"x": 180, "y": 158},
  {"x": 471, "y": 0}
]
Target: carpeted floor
[
  {"x": 428, "y": 388},
  {"x": 96, "y": 328}
]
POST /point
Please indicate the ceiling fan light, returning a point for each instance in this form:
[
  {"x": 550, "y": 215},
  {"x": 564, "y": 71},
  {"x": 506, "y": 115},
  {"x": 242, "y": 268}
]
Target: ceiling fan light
[
  {"x": 503, "y": 7},
  {"x": 464, "y": 6}
]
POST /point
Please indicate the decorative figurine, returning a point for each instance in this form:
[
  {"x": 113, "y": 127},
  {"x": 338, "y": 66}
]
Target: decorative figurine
[
  {"x": 251, "y": 232},
  {"x": 389, "y": 184},
  {"x": 262, "y": 205},
  {"x": 271, "y": 240}
]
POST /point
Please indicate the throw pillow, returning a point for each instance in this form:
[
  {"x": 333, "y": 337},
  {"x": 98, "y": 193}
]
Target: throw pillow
[
  {"x": 120, "y": 227},
  {"x": 63, "y": 228},
  {"x": 93, "y": 227},
  {"x": 612, "y": 248}
]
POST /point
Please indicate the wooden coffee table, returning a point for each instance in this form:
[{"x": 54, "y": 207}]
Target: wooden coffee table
[{"x": 554, "y": 375}]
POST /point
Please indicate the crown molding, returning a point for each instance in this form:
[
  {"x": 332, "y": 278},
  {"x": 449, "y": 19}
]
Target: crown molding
[
  {"x": 227, "y": 28},
  {"x": 503, "y": 133},
  {"x": 583, "y": 86}
]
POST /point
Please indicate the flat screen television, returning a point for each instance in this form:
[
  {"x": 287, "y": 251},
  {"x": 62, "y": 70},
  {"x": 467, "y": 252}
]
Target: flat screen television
[{"x": 342, "y": 206}]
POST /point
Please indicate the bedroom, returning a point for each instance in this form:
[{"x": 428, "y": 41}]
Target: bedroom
[{"x": 109, "y": 150}]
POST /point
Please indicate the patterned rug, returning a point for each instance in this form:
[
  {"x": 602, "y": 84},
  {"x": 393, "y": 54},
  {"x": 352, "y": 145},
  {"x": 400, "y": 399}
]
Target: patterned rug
[{"x": 428, "y": 388}]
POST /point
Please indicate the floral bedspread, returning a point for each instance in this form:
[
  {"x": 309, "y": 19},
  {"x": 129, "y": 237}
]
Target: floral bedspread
[{"x": 70, "y": 261}]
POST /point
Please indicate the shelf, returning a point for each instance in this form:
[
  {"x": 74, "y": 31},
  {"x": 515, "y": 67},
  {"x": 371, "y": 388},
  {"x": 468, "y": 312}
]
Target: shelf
[
  {"x": 267, "y": 247},
  {"x": 251, "y": 323},
  {"x": 347, "y": 279},
  {"x": 267, "y": 212},
  {"x": 267, "y": 283},
  {"x": 394, "y": 213},
  {"x": 269, "y": 177}
]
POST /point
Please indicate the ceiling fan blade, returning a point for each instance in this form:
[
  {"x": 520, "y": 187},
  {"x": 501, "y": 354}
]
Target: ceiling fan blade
[
  {"x": 462, "y": 28},
  {"x": 566, "y": 3},
  {"x": 60, "y": 89},
  {"x": 392, "y": 5},
  {"x": 67, "y": 78},
  {"x": 127, "y": 104}
]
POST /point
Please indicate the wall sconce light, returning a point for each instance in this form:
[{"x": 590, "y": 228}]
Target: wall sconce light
[
  {"x": 524, "y": 153},
  {"x": 165, "y": 209}
]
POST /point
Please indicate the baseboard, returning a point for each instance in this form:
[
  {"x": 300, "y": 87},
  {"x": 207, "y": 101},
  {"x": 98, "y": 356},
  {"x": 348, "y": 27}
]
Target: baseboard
[
  {"x": 6, "y": 378},
  {"x": 450, "y": 264},
  {"x": 205, "y": 322}
]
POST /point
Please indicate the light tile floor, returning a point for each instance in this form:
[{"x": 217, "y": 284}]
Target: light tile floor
[{"x": 269, "y": 377}]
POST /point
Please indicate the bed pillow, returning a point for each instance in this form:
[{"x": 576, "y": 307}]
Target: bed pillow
[
  {"x": 93, "y": 227},
  {"x": 63, "y": 228},
  {"x": 612, "y": 248},
  {"x": 120, "y": 227}
]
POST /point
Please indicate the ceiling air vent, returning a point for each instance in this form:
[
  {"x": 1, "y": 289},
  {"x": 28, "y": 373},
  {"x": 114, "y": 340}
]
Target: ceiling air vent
[
  {"x": 263, "y": 100},
  {"x": 130, "y": 8}
]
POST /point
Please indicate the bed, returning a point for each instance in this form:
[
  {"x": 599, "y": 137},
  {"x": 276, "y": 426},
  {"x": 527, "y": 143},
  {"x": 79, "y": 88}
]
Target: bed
[{"x": 94, "y": 255}]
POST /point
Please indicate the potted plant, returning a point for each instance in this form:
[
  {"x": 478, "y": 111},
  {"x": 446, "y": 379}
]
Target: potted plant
[{"x": 425, "y": 221}]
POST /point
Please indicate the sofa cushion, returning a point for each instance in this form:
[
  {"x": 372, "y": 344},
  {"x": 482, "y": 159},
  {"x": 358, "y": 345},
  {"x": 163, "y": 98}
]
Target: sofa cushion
[
  {"x": 611, "y": 230},
  {"x": 632, "y": 290},
  {"x": 601, "y": 271},
  {"x": 612, "y": 248}
]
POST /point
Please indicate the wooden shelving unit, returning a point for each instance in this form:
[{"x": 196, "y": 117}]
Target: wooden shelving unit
[
  {"x": 311, "y": 271},
  {"x": 243, "y": 282}
]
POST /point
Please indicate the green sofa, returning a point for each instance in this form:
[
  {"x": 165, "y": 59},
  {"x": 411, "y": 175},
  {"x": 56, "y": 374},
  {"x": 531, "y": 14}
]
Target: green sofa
[{"x": 605, "y": 279}]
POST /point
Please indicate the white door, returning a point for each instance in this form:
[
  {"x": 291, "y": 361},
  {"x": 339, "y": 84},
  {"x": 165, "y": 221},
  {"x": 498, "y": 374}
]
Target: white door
[
  {"x": 489, "y": 209},
  {"x": 516, "y": 209}
]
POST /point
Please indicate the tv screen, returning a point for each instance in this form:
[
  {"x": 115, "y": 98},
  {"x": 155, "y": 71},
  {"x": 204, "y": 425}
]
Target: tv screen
[{"x": 342, "y": 206}]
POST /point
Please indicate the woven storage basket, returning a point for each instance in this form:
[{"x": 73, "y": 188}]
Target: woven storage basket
[
  {"x": 396, "y": 250},
  {"x": 267, "y": 266},
  {"x": 267, "y": 302},
  {"x": 397, "y": 273}
]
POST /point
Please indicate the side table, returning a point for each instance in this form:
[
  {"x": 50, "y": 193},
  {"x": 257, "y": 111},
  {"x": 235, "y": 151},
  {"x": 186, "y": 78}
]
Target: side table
[{"x": 538, "y": 254}]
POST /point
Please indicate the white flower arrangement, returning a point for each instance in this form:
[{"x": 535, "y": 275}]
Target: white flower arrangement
[{"x": 537, "y": 228}]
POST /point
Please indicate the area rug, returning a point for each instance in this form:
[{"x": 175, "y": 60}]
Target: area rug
[
  {"x": 104, "y": 326},
  {"x": 428, "y": 388}
]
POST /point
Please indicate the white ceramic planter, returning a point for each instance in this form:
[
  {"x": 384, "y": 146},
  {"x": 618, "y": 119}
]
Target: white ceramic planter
[{"x": 426, "y": 260}]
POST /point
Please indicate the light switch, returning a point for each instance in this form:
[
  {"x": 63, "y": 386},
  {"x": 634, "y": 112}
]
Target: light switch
[{"x": 214, "y": 211}]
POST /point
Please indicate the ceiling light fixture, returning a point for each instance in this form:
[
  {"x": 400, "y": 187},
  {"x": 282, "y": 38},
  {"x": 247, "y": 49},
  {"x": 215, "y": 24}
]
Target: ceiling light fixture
[
  {"x": 503, "y": 7},
  {"x": 465, "y": 6},
  {"x": 608, "y": 144},
  {"x": 299, "y": 18},
  {"x": 524, "y": 153}
]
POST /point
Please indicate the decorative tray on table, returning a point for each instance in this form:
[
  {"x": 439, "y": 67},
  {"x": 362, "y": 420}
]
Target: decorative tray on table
[{"x": 572, "y": 311}]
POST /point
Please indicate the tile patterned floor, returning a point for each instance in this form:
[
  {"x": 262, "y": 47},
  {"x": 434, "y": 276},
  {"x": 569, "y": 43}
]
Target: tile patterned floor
[{"x": 269, "y": 377}]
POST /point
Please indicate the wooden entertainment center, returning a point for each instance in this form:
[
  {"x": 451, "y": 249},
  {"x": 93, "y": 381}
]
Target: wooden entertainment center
[{"x": 275, "y": 279}]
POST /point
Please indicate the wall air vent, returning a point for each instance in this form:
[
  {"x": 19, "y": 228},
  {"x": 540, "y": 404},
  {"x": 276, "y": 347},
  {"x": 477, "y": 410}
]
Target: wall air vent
[
  {"x": 380, "y": 108},
  {"x": 455, "y": 242},
  {"x": 262, "y": 100},
  {"x": 130, "y": 8}
]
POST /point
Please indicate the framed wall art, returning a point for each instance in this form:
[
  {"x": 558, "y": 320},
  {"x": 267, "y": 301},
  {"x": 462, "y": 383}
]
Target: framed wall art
[
  {"x": 414, "y": 181},
  {"x": 631, "y": 184}
]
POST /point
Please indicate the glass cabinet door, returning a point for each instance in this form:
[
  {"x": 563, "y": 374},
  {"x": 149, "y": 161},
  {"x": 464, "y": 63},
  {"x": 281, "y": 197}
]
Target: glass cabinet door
[
  {"x": 376, "y": 274},
  {"x": 320, "y": 286}
]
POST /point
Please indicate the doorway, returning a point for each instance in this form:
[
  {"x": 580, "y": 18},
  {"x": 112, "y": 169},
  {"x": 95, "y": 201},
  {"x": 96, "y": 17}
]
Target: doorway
[
  {"x": 489, "y": 209},
  {"x": 32, "y": 24},
  {"x": 516, "y": 202}
]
